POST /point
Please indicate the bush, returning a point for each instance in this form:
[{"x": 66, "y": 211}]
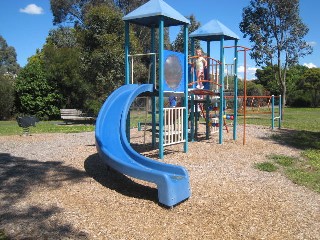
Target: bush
[
  {"x": 299, "y": 101},
  {"x": 92, "y": 107},
  {"x": 6, "y": 97},
  {"x": 34, "y": 95}
]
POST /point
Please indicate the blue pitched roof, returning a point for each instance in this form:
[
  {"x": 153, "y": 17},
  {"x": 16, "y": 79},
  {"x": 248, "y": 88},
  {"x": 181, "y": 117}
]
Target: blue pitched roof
[
  {"x": 150, "y": 13},
  {"x": 212, "y": 31}
]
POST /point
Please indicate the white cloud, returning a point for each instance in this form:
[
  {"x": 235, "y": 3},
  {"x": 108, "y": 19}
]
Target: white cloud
[
  {"x": 250, "y": 74},
  {"x": 241, "y": 69},
  {"x": 312, "y": 44},
  {"x": 32, "y": 9},
  {"x": 252, "y": 69},
  {"x": 309, "y": 65}
]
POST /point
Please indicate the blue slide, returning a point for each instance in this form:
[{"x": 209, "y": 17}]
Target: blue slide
[{"x": 114, "y": 148}]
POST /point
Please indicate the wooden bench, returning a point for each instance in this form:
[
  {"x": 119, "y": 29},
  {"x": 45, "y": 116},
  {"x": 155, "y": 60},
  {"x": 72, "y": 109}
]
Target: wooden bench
[{"x": 75, "y": 115}]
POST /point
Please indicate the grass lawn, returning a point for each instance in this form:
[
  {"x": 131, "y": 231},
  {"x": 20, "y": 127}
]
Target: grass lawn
[
  {"x": 307, "y": 119},
  {"x": 304, "y": 134},
  {"x": 12, "y": 128}
]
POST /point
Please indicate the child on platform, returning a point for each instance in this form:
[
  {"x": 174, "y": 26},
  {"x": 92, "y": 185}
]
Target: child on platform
[{"x": 201, "y": 63}]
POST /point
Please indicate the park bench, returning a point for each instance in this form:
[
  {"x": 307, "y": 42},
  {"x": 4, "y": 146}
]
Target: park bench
[{"x": 75, "y": 115}]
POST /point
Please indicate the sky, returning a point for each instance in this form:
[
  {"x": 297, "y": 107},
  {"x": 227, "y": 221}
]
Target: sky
[{"x": 25, "y": 25}]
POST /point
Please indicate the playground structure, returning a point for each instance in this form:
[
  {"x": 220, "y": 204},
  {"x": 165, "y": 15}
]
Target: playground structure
[
  {"x": 168, "y": 77},
  {"x": 112, "y": 125}
]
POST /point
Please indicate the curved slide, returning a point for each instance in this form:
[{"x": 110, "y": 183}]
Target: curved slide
[{"x": 113, "y": 147}]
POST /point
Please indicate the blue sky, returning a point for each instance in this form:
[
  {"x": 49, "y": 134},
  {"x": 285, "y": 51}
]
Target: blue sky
[{"x": 25, "y": 24}]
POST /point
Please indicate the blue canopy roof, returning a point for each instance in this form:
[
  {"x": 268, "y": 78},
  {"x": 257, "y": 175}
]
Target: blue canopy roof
[
  {"x": 212, "y": 31},
  {"x": 150, "y": 13}
]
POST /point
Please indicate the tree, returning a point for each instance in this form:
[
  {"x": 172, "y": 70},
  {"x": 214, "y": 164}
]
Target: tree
[
  {"x": 6, "y": 96},
  {"x": 311, "y": 83},
  {"x": 72, "y": 11},
  {"x": 62, "y": 57},
  {"x": 276, "y": 31},
  {"x": 9, "y": 68},
  {"x": 34, "y": 95},
  {"x": 8, "y": 58},
  {"x": 102, "y": 43},
  {"x": 178, "y": 43},
  {"x": 265, "y": 77},
  {"x": 63, "y": 37},
  {"x": 75, "y": 12}
]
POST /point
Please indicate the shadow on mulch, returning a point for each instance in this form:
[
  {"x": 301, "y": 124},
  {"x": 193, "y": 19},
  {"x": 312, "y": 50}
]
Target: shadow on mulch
[
  {"x": 114, "y": 180},
  {"x": 148, "y": 151},
  {"x": 298, "y": 139},
  {"x": 19, "y": 177}
]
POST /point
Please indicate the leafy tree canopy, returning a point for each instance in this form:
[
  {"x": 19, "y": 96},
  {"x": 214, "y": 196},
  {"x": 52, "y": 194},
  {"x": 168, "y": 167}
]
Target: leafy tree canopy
[
  {"x": 178, "y": 43},
  {"x": 276, "y": 31},
  {"x": 72, "y": 11},
  {"x": 8, "y": 58},
  {"x": 311, "y": 83},
  {"x": 34, "y": 95},
  {"x": 6, "y": 96}
]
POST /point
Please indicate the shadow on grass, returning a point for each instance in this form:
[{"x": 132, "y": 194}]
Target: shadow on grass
[
  {"x": 298, "y": 139},
  {"x": 114, "y": 180},
  {"x": 19, "y": 177}
]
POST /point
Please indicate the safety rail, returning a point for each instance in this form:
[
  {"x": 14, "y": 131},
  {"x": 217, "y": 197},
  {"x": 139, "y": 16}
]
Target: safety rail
[{"x": 173, "y": 125}]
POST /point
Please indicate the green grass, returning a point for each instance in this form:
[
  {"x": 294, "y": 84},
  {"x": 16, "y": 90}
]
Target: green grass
[
  {"x": 283, "y": 160},
  {"x": 307, "y": 119},
  {"x": 3, "y": 236},
  {"x": 301, "y": 130},
  {"x": 12, "y": 128},
  {"x": 266, "y": 167},
  {"x": 303, "y": 171}
]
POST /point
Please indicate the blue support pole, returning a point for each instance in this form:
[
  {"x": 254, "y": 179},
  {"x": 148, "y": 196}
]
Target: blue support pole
[
  {"x": 207, "y": 97},
  {"x": 192, "y": 103},
  {"x": 186, "y": 87},
  {"x": 161, "y": 80},
  {"x": 272, "y": 112},
  {"x": 153, "y": 81},
  {"x": 127, "y": 71},
  {"x": 126, "y": 52},
  {"x": 280, "y": 111},
  {"x": 235, "y": 98},
  {"x": 221, "y": 105}
]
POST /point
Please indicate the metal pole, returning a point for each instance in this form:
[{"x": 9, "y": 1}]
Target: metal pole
[
  {"x": 272, "y": 112},
  {"x": 245, "y": 96},
  {"x": 280, "y": 112},
  {"x": 126, "y": 52},
  {"x": 235, "y": 98},
  {"x": 127, "y": 71},
  {"x": 161, "y": 80},
  {"x": 153, "y": 81},
  {"x": 221, "y": 90},
  {"x": 192, "y": 103},
  {"x": 185, "y": 121},
  {"x": 207, "y": 97}
]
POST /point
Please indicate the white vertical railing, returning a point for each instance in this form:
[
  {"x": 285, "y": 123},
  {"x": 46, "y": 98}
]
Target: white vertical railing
[{"x": 173, "y": 125}]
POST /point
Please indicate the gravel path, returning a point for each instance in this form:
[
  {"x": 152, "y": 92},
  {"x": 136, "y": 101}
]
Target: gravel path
[{"x": 54, "y": 186}]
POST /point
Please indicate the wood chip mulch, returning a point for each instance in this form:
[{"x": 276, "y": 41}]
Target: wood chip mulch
[{"x": 54, "y": 186}]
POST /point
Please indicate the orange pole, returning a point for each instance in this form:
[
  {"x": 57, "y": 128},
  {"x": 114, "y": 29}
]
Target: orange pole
[{"x": 245, "y": 97}]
